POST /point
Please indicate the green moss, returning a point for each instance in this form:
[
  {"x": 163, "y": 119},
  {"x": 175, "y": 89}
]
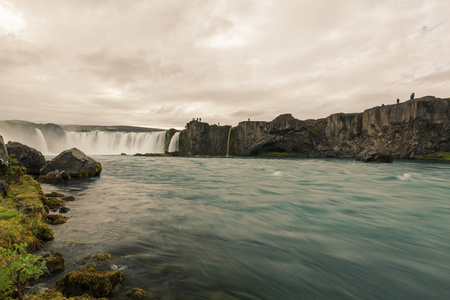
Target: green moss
[
  {"x": 27, "y": 226},
  {"x": 279, "y": 154},
  {"x": 56, "y": 219},
  {"x": 88, "y": 281},
  {"x": 52, "y": 202},
  {"x": 314, "y": 131},
  {"x": 443, "y": 156},
  {"x": 6, "y": 214},
  {"x": 14, "y": 171},
  {"x": 135, "y": 294},
  {"x": 102, "y": 256}
]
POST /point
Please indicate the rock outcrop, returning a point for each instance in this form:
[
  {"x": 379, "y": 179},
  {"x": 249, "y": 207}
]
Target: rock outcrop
[
  {"x": 375, "y": 154},
  {"x": 411, "y": 129},
  {"x": 200, "y": 138},
  {"x": 4, "y": 158},
  {"x": 74, "y": 163},
  {"x": 29, "y": 157}
]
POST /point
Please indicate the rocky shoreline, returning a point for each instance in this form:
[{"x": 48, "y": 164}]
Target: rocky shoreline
[{"x": 25, "y": 215}]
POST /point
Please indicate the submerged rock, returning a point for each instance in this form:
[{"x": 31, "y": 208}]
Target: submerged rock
[
  {"x": 74, "y": 163},
  {"x": 89, "y": 281},
  {"x": 4, "y": 158},
  {"x": 134, "y": 294},
  {"x": 375, "y": 154},
  {"x": 69, "y": 198},
  {"x": 30, "y": 158},
  {"x": 54, "y": 263}
]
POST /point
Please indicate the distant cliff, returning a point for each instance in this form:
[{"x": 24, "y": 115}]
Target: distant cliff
[{"x": 409, "y": 130}]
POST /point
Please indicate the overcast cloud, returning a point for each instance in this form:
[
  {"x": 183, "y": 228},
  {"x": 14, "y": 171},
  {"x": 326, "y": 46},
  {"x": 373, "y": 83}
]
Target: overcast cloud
[{"x": 161, "y": 63}]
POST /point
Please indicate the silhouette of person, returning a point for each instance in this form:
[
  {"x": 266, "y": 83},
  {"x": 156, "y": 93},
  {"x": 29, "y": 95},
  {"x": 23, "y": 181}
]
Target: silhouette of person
[
  {"x": 398, "y": 101},
  {"x": 412, "y": 96}
]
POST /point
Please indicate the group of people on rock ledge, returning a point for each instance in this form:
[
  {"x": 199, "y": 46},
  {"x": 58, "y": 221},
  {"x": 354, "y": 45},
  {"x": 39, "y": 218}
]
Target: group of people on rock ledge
[{"x": 398, "y": 100}]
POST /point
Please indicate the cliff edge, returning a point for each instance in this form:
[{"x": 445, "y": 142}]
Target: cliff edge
[{"x": 411, "y": 129}]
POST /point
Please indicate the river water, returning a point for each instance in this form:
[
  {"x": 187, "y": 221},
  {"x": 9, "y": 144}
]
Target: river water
[{"x": 218, "y": 228}]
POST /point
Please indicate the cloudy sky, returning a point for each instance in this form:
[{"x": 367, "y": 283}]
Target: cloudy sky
[{"x": 160, "y": 63}]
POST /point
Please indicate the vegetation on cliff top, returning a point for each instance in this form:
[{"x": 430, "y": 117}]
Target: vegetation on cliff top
[{"x": 444, "y": 156}]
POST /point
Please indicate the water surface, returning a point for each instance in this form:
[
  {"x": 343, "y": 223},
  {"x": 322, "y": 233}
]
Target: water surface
[{"x": 202, "y": 228}]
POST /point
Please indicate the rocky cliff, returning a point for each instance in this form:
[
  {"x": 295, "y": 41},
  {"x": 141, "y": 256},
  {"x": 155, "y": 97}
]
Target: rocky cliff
[{"x": 409, "y": 130}]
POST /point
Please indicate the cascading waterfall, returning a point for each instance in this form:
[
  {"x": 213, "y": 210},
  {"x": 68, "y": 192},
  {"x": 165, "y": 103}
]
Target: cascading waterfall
[
  {"x": 228, "y": 143},
  {"x": 101, "y": 142},
  {"x": 41, "y": 142},
  {"x": 174, "y": 145},
  {"x": 94, "y": 142}
]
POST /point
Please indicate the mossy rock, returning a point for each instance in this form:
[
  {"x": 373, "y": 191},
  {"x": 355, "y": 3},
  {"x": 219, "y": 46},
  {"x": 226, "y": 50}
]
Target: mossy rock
[
  {"x": 54, "y": 195},
  {"x": 54, "y": 263},
  {"x": 88, "y": 281},
  {"x": 102, "y": 256},
  {"x": 53, "y": 202},
  {"x": 135, "y": 294},
  {"x": 56, "y": 219}
]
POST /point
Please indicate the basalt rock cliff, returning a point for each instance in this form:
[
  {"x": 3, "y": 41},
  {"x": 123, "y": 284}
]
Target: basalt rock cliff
[{"x": 408, "y": 130}]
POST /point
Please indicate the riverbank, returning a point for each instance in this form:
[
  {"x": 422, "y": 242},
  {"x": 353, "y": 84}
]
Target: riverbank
[{"x": 24, "y": 220}]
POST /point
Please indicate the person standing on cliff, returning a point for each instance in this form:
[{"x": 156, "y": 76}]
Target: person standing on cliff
[
  {"x": 398, "y": 101},
  {"x": 412, "y": 96}
]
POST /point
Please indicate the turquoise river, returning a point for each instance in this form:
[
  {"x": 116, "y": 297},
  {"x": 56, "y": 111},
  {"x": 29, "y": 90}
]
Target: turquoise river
[{"x": 257, "y": 228}]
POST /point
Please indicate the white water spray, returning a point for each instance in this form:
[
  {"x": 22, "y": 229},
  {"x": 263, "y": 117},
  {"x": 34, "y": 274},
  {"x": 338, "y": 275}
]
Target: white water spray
[{"x": 175, "y": 143}]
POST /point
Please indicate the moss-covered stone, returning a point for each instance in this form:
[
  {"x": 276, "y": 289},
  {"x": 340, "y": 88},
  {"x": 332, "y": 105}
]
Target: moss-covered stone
[
  {"x": 54, "y": 263},
  {"x": 102, "y": 256},
  {"x": 135, "y": 294},
  {"x": 56, "y": 219},
  {"x": 53, "y": 202},
  {"x": 54, "y": 195},
  {"x": 88, "y": 281}
]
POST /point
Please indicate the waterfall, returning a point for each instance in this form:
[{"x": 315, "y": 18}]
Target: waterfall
[
  {"x": 174, "y": 145},
  {"x": 41, "y": 143},
  {"x": 91, "y": 142},
  {"x": 228, "y": 143},
  {"x": 102, "y": 142}
]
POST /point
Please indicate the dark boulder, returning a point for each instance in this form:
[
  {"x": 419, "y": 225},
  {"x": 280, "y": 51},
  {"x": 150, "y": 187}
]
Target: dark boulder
[
  {"x": 3, "y": 188},
  {"x": 88, "y": 281},
  {"x": 29, "y": 157},
  {"x": 74, "y": 163},
  {"x": 4, "y": 158},
  {"x": 375, "y": 154},
  {"x": 51, "y": 177}
]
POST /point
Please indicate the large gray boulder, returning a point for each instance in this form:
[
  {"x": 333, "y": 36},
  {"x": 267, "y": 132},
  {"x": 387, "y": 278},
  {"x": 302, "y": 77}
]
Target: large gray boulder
[
  {"x": 375, "y": 154},
  {"x": 74, "y": 163},
  {"x": 4, "y": 158},
  {"x": 30, "y": 158}
]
